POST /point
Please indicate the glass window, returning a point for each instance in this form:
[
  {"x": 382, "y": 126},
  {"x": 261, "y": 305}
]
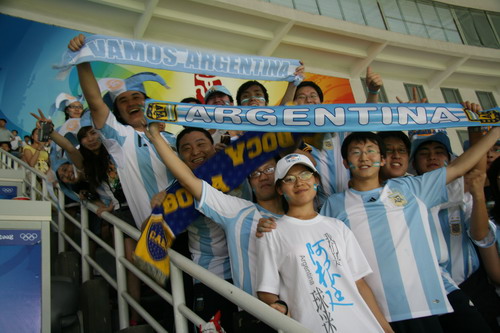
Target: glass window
[
  {"x": 352, "y": 11},
  {"x": 417, "y": 29},
  {"x": 484, "y": 30},
  {"x": 391, "y": 9},
  {"x": 410, "y": 11},
  {"x": 382, "y": 96},
  {"x": 436, "y": 33},
  {"x": 397, "y": 25},
  {"x": 306, "y": 6},
  {"x": 467, "y": 24},
  {"x": 486, "y": 99},
  {"x": 495, "y": 20},
  {"x": 453, "y": 36},
  {"x": 429, "y": 14},
  {"x": 373, "y": 16},
  {"x": 284, "y": 3},
  {"x": 420, "y": 91},
  {"x": 330, "y": 8},
  {"x": 451, "y": 95}
]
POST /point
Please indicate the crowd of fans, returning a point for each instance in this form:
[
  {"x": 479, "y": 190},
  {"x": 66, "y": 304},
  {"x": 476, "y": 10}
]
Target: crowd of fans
[{"x": 347, "y": 232}]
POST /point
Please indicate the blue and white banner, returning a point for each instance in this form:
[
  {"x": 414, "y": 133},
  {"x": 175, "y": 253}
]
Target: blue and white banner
[
  {"x": 321, "y": 117},
  {"x": 181, "y": 59}
]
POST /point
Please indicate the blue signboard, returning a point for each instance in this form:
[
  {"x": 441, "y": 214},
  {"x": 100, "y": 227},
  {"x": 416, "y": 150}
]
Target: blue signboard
[{"x": 20, "y": 281}]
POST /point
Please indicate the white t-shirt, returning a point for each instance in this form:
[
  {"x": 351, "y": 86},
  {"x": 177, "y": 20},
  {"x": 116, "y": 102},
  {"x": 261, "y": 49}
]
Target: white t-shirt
[
  {"x": 16, "y": 142},
  {"x": 313, "y": 266}
]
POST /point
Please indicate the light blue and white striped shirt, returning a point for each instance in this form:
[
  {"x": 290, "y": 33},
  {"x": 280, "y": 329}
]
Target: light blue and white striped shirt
[
  {"x": 334, "y": 176},
  {"x": 239, "y": 219},
  {"x": 142, "y": 173},
  {"x": 392, "y": 226},
  {"x": 207, "y": 240}
]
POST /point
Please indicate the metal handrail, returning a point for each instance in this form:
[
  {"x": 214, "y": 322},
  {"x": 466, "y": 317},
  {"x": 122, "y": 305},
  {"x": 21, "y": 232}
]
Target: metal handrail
[{"x": 178, "y": 264}]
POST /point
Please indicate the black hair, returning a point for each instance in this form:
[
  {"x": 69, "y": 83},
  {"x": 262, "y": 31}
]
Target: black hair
[
  {"x": 188, "y": 130},
  {"x": 95, "y": 166},
  {"x": 396, "y": 135},
  {"x": 191, "y": 100},
  {"x": 247, "y": 85},
  {"x": 4, "y": 120},
  {"x": 66, "y": 113},
  {"x": 312, "y": 85},
  {"x": 362, "y": 137},
  {"x": 7, "y": 143},
  {"x": 33, "y": 133}
]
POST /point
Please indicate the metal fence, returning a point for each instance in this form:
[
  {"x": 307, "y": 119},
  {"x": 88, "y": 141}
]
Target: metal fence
[{"x": 178, "y": 263}]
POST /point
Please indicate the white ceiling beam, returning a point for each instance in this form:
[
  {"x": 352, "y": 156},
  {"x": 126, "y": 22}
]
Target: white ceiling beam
[
  {"x": 372, "y": 53},
  {"x": 130, "y": 5},
  {"x": 279, "y": 34},
  {"x": 439, "y": 77},
  {"x": 144, "y": 19},
  {"x": 214, "y": 23}
]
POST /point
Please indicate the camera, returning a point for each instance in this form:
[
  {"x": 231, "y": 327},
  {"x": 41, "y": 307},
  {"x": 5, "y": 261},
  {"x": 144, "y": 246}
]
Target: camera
[{"x": 44, "y": 131}]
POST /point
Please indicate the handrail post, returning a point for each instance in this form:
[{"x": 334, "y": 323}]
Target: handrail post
[
  {"x": 177, "y": 284},
  {"x": 33, "y": 185},
  {"x": 84, "y": 213},
  {"x": 61, "y": 221},
  {"x": 45, "y": 191},
  {"x": 121, "y": 278}
]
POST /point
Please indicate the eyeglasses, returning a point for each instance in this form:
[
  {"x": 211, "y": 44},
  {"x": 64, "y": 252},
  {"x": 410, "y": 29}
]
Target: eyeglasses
[
  {"x": 401, "y": 151},
  {"x": 257, "y": 173},
  {"x": 291, "y": 179},
  {"x": 356, "y": 153},
  {"x": 75, "y": 107}
]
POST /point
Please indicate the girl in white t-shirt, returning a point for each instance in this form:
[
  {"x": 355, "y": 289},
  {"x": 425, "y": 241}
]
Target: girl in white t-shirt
[{"x": 311, "y": 267}]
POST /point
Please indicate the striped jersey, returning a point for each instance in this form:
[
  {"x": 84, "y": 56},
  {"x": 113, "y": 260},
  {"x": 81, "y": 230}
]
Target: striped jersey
[
  {"x": 455, "y": 223},
  {"x": 334, "y": 176},
  {"x": 141, "y": 171},
  {"x": 207, "y": 240},
  {"x": 239, "y": 219},
  {"x": 392, "y": 226}
]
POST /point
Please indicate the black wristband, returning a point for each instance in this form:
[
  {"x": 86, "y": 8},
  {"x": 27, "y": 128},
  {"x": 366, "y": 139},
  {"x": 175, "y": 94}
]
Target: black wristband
[{"x": 284, "y": 304}]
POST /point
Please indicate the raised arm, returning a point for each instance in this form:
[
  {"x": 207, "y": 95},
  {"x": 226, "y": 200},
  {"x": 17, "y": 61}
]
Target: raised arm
[
  {"x": 479, "y": 221},
  {"x": 291, "y": 88},
  {"x": 471, "y": 157},
  {"x": 178, "y": 168},
  {"x": 373, "y": 85},
  {"x": 74, "y": 154},
  {"x": 99, "y": 110}
]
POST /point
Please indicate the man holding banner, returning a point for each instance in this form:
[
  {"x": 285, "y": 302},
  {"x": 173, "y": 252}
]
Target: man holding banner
[
  {"x": 141, "y": 172},
  {"x": 207, "y": 240},
  {"x": 238, "y": 217}
]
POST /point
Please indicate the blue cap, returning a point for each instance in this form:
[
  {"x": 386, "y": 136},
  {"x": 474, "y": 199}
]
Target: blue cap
[
  {"x": 440, "y": 137},
  {"x": 214, "y": 89},
  {"x": 114, "y": 87}
]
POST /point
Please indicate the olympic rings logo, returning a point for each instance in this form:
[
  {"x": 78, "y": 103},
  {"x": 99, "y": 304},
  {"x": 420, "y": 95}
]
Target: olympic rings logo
[
  {"x": 7, "y": 190},
  {"x": 28, "y": 237}
]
